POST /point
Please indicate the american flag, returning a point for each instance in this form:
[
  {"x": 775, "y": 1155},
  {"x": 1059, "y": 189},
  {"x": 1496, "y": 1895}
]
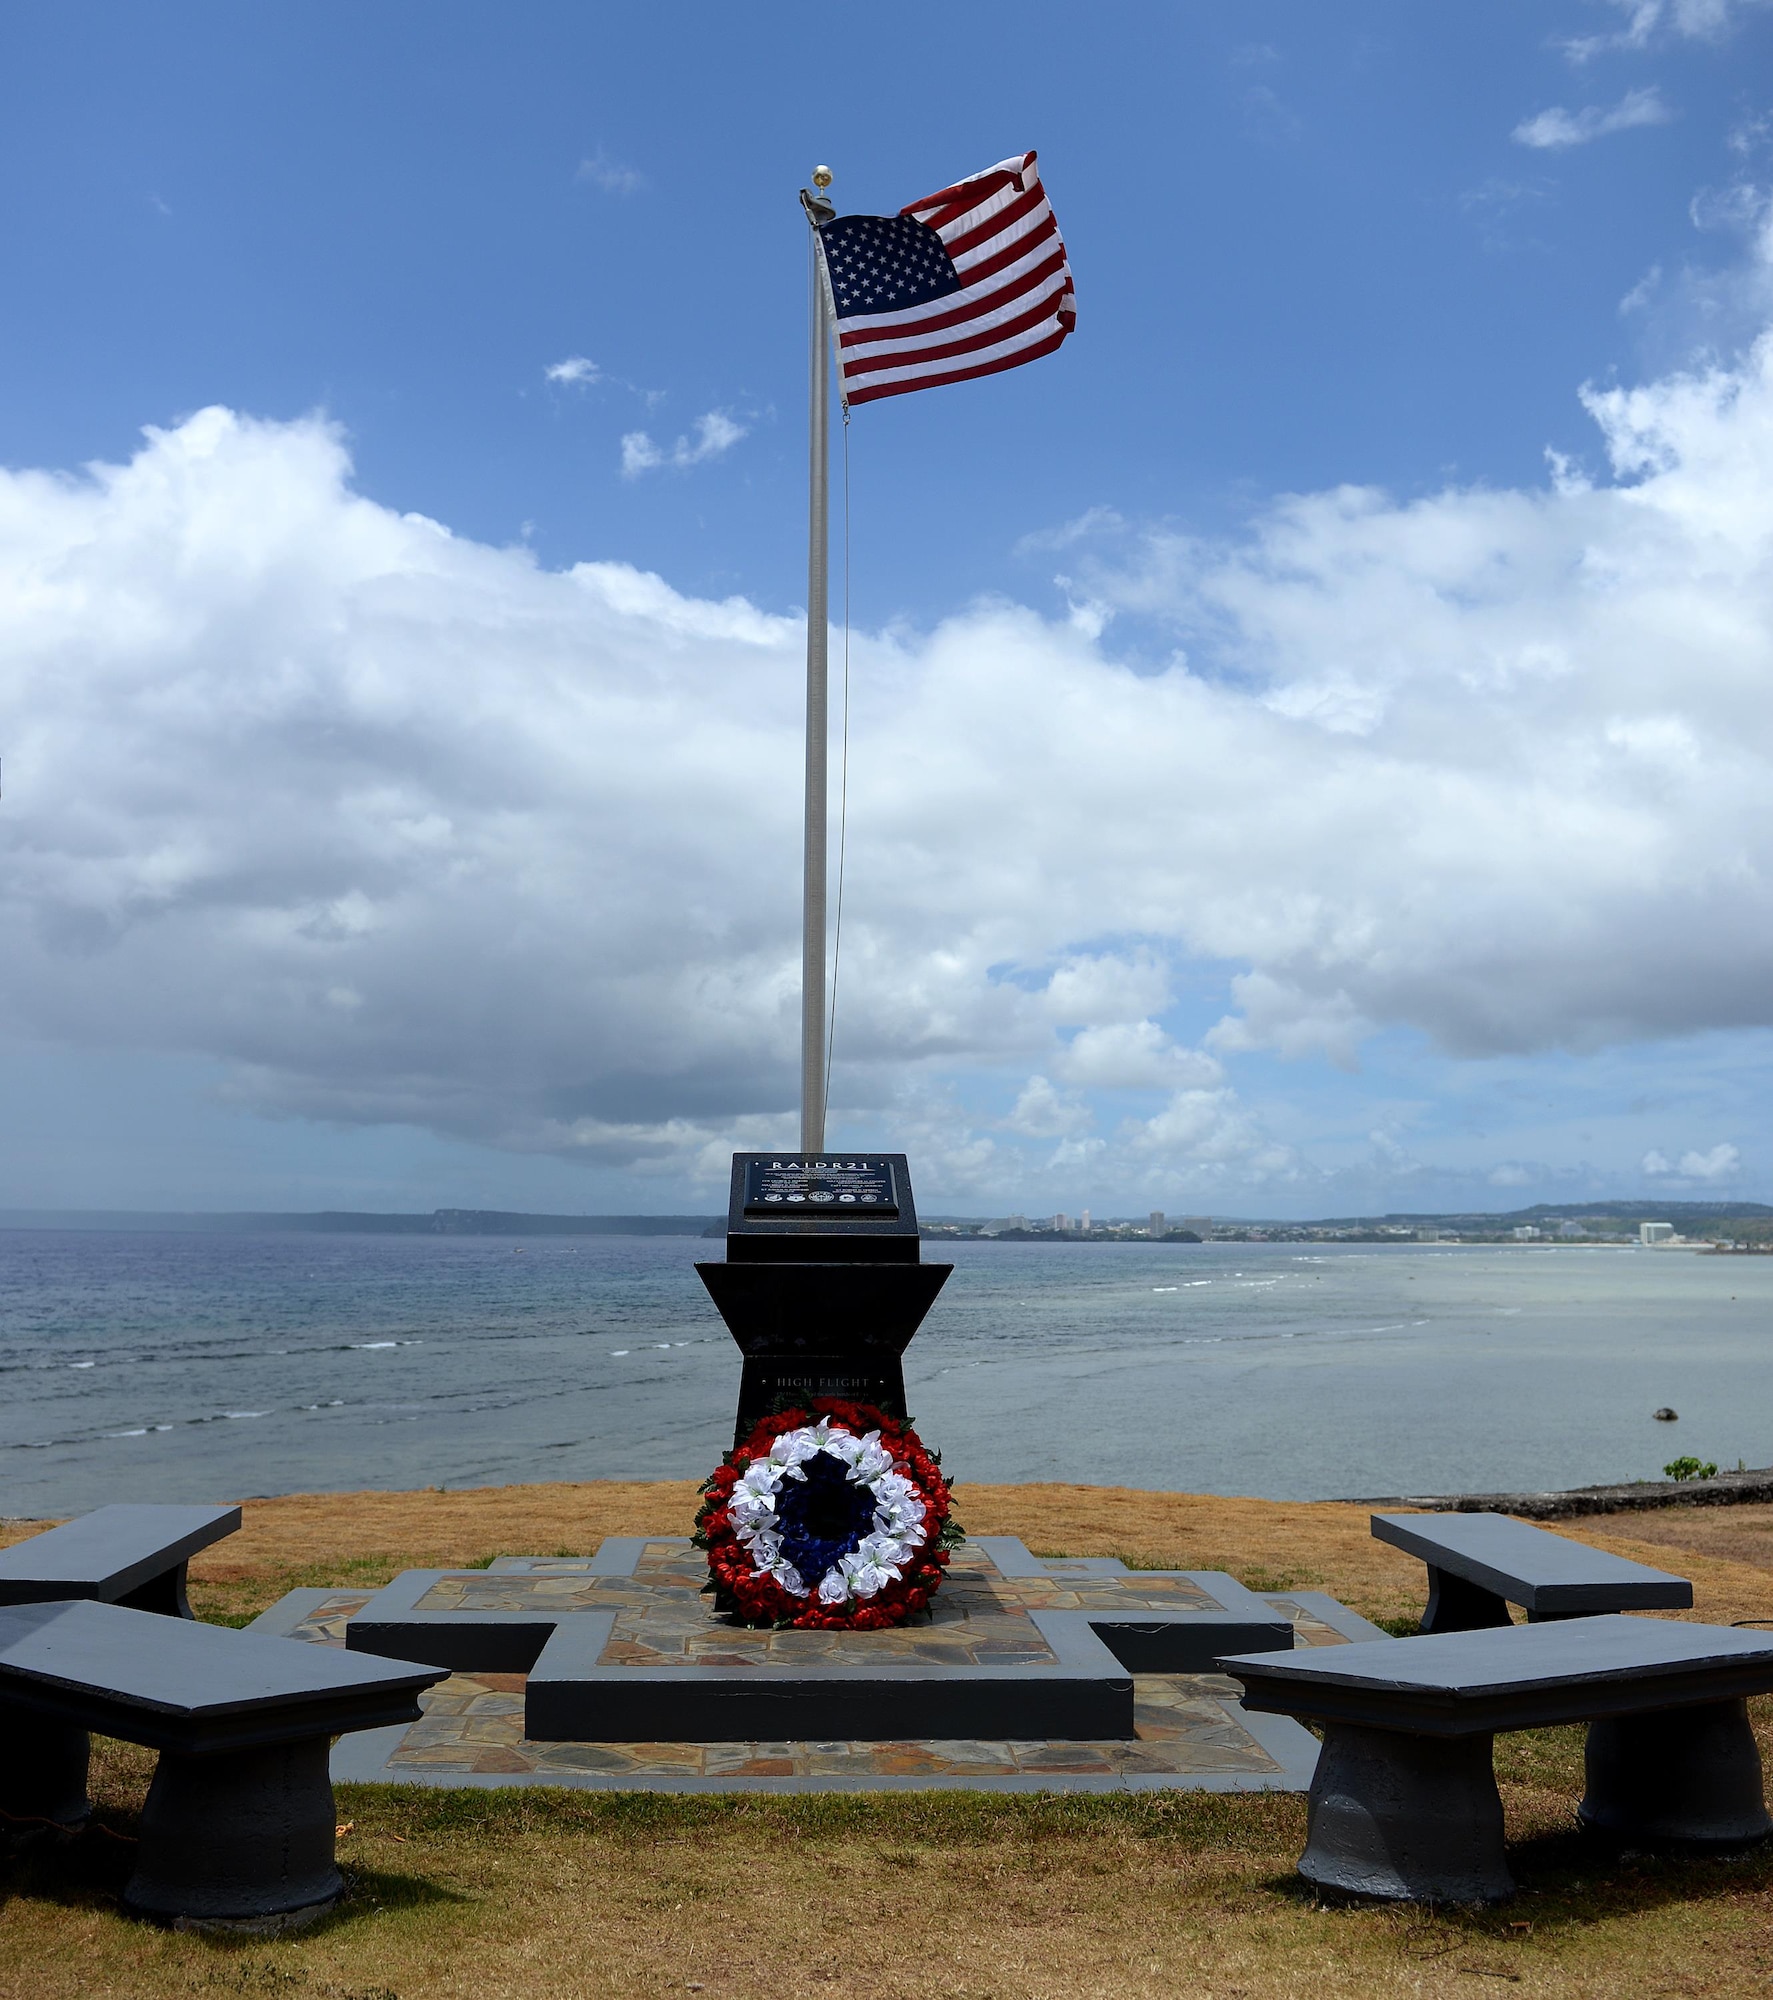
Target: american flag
[{"x": 966, "y": 282}]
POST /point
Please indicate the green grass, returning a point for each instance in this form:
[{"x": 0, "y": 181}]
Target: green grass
[
  {"x": 1224, "y": 1822},
  {"x": 556, "y": 1894},
  {"x": 1405, "y": 1626}
]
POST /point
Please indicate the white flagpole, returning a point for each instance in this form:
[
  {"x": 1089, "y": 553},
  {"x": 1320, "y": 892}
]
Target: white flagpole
[{"x": 818, "y": 562}]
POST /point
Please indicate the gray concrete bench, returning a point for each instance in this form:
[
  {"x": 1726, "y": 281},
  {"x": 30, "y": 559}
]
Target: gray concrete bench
[
  {"x": 1480, "y": 1564},
  {"x": 1404, "y": 1803},
  {"x": 238, "y": 1825},
  {"x": 129, "y": 1555}
]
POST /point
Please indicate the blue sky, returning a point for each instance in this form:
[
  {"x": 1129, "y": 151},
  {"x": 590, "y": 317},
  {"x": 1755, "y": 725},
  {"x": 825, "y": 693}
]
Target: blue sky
[
  {"x": 1134, "y": 924},
  {"x": 1307, "y": 248}
]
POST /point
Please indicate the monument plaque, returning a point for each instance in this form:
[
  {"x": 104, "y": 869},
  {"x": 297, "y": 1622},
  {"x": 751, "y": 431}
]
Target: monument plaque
[
  {"x": 821, "y": 1208},
  {"x": 823, "y": 1284},
  {"x": 782, "y": 1184}
]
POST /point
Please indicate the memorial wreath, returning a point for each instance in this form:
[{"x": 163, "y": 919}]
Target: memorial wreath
[{"x": 833, "y": 1517}]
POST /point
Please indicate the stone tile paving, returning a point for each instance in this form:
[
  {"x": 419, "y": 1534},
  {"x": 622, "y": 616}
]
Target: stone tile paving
[
  {"x": 326, "y": 1623},
  {"x": 979, "y": 1618},
  {"x": 1187, "y": 1726},
  {"x": 473, "y": 1723},
  {"x": 1308, "y": 1628}
]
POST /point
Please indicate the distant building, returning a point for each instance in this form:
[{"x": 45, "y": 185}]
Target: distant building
[
  {"x": 1572, "y": 1229},
  {"x": 1061, "y": 1223},
  {"x": 1526, "y": 1233},
  {"x": 1156, "y": 1226},
  {"x": 1201, "y": 1225},
  {"x": 1431, "y": 1236},
  {"x": 1656, "y": 1232},
  {"x": 1084, "y": 1225}
]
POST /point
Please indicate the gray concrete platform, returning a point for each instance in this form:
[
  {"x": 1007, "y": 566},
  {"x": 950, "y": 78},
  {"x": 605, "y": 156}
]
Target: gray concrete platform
[{"x": 1028, "y": 1660}]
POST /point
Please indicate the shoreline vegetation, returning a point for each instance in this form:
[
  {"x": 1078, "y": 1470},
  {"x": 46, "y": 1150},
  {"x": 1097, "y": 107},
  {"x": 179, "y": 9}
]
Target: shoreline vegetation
[{"x": 554, "y": 1893}]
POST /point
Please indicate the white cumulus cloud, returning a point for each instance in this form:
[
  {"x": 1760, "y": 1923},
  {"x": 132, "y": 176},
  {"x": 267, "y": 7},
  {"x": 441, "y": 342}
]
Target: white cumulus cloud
[
  {"x": 610, "y": 174},
  {"x": 1556, "y": 128},
  {"x": 1042, "y": 1113},
  {"x": 1560, "y": 716},
  {"x": 1645, "y": 21},
  {"x": 404, "y": 828},
  {"x": 1202, "y": 1136},
  {"x": 1719, "y": 1163},
  {"x": 1133, "y": 1055},
  {"x": 715, "y": 434},
  {"x": 576, "y": 371}
]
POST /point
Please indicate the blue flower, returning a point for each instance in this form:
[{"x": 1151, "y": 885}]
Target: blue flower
[{"x": 823, "y": 1516}]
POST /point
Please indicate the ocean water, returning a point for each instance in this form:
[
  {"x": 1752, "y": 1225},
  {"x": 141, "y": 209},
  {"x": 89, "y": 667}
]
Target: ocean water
[{"x": 204, "y": 1367}]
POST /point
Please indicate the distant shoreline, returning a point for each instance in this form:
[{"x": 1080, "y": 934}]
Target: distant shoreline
[
  {"x": 1751, "y": 1487},
  {"x": 1718, "y": 1228},
  {"x": 353, "y": 1222}
]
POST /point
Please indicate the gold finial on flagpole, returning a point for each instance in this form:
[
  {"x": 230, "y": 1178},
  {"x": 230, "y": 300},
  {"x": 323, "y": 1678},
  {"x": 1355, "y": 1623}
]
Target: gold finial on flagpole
[{"x": 818, "y": 210}]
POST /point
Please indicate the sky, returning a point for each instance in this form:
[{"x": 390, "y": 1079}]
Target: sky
[{"x": 1309, "y": 745}]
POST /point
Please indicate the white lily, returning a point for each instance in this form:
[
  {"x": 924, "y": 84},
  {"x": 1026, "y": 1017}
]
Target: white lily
[
  {"x": 793, "y": 1448},
  {"x": 833, "y": 1587},
  {"x": 785, "y": 1574},
  {"x": 903, "y": 1518},
  {"x": 873, "y": 1566},
  {"x": 865, "y": 1456},
  {"x": 752, "y": 1501}
]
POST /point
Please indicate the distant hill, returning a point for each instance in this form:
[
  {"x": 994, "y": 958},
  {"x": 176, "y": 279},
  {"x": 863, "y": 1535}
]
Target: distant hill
[
  {"x": 355, "y": 1222},
  {"x": 1696, "y": 1216},
  {"x": 1561, "y": 1211}
]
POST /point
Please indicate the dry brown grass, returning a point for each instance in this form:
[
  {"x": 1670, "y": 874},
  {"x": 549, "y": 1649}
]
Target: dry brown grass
[
  {"x": 552, "y": 1895},
  {"x": 556, "y": 1894},
  {"x": 1327, "y": 1545},
  {"x": 322, "y": 1538},
  {"x": 1737, "y": 1534}
]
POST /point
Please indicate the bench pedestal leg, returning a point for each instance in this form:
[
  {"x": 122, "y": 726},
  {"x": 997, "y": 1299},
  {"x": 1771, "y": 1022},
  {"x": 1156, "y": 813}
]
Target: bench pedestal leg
[
  {"x": 164, "y": 1593},
  {"x": 1406, "y": 1818},
  {"x": 1455, "y": 1604},
  {"x": 42, "y": 1773},
  {"x": 238, "y": 1840},
  {"x": 1680, "y": 1777}
]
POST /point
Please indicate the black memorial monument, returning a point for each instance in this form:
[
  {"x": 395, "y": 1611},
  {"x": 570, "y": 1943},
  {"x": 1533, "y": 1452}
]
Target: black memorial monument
[{"x": 823, "y": 1285}]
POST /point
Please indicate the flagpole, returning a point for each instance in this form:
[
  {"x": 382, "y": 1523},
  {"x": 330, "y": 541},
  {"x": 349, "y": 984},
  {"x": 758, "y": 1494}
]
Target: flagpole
[{"x": 818, "y": 564}]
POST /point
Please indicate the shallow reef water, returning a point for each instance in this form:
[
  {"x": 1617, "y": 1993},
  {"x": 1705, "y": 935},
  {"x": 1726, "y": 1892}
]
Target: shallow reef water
[{"x": 190, "y": 1366}]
